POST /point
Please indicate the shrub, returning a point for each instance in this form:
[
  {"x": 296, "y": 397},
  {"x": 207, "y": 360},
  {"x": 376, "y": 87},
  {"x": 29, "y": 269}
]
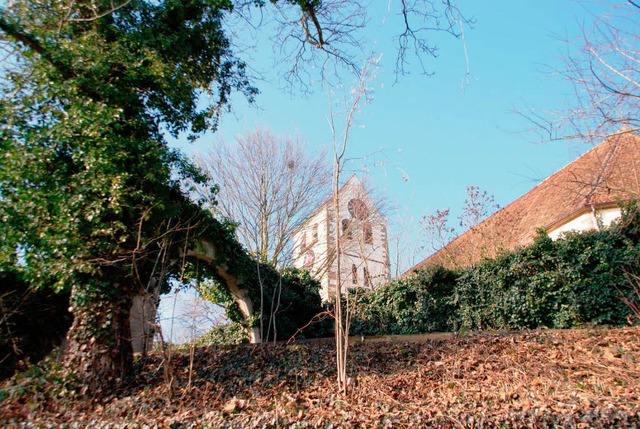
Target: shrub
[
  {"x": 415, "y": 304},
  {"x": 227, "y": 334},
  {"x": 32, "y": 322},
  {"x": 290, "y": 299}
]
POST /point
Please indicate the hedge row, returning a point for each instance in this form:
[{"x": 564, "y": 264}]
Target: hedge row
[{"x": 574, "y": 281}]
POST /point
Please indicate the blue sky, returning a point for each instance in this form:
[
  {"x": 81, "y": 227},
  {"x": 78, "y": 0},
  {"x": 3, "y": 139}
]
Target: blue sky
[{"x": 436, "y": 136}]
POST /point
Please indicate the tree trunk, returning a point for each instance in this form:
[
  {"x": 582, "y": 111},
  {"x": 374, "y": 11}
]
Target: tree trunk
[
  {"x": 142, "y": 321},
  {"x": 206, "y": 251},
  {"x": 99, "y": 349}
]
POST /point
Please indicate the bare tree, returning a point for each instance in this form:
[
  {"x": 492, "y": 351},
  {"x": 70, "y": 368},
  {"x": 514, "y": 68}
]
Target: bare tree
[
  {"x": 604, "y": 68},
  {"x": 359, "y": 95},
  {"x": 318, "y": 40},
  {"x": 437, "y": 230},
  {"x": 269, "y": 185},
  {"x": 439, "y": 233},
  {"x": 477, "y": 207}
]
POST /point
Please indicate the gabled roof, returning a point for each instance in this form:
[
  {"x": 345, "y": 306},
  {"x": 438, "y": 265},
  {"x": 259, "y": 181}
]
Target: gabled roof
[{"x": 600, "y": 178}]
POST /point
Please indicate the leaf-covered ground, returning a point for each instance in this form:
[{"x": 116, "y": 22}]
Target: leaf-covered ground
[{"x": 573, "y": 379}]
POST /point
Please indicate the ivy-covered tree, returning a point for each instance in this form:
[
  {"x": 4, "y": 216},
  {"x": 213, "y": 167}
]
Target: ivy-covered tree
[{"x": 89, "y": 190}]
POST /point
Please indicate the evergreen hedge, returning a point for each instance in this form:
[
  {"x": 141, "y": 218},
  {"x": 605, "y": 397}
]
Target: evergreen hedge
[{"x": 576, "y": 280}]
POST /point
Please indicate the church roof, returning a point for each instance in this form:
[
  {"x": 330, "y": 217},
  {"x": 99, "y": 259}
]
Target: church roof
[{"x": 600, "y": 178}]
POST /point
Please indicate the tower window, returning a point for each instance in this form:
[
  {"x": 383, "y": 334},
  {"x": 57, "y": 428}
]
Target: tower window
[
  {"x": 367, "y": 233},
  {"x": 346, "y": 230},
  {"x": 354, "y": 274},
  {"x": 367, "y": 279},
  {"x": 309, "y": 257},
  {"x": 315, "y": 231}
]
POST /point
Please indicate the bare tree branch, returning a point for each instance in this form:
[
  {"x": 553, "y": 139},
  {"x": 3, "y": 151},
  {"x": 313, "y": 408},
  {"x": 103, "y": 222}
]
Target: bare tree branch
[
  {"x": 269, "y": 185},
  {"x": 605, "y": 74},
  {"x": 330, "y": 36},
  {"x": 420, "y": 19}
]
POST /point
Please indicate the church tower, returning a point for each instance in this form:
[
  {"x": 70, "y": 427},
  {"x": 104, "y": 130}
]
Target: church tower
[{"x": 364, "y": 258}]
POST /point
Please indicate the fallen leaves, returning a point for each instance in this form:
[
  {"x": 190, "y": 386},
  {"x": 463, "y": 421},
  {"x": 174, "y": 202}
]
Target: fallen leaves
[
  {"x": 233, "y": 405},
  {"x": 547, "y": 378}
]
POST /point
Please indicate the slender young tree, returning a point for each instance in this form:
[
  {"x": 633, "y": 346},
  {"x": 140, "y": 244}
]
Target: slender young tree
[{"x": 340, "y": 140}]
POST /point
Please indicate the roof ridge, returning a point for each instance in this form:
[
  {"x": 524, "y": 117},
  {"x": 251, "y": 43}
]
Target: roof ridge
[{"x": 610, "y": 146}]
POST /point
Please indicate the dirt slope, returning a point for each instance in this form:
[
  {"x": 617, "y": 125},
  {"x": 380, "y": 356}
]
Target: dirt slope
[{"x": 573, "y": 379}]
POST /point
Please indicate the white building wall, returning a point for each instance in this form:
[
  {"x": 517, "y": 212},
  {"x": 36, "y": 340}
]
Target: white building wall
[
  {"x": 312, "y": 252},
  {"x": 587, "y": 221},
  {"x": 367, "y": 257},
  {"x": 355, "y": 250}
]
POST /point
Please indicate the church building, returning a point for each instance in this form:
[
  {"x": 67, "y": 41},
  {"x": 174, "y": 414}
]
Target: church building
[{"x": 364, "y": 257}]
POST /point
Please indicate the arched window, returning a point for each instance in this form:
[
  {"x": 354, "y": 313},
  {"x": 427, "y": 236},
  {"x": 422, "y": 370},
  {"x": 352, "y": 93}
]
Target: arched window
[
  {"x": 309, "y": 258},
  {"x": 354, "y": 274},
  {"x": 315, "y": 231},
  {"x": 367, "y": 233},
  {"x": 346, "y": 230},
  {"x": 367, "y": 279}
]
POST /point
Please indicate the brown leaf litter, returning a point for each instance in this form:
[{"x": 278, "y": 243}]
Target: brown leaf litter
[{"x": 572, "y": 379}]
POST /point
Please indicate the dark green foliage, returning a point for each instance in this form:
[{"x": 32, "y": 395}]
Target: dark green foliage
[
  {"x": 32, "y": 322},
  {"x": 415, "y": 304},
  {"x": 574, "y": 281},
  {"x": 290, "y": 300},
  {"x": 294, "y": 301},
  {"x": 227, "y": 334},
  {"x": 518, "y": 290}
]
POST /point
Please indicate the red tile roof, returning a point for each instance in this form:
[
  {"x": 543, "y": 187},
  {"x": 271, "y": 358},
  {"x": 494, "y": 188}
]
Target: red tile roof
[{"x": 600, "y": 178}]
